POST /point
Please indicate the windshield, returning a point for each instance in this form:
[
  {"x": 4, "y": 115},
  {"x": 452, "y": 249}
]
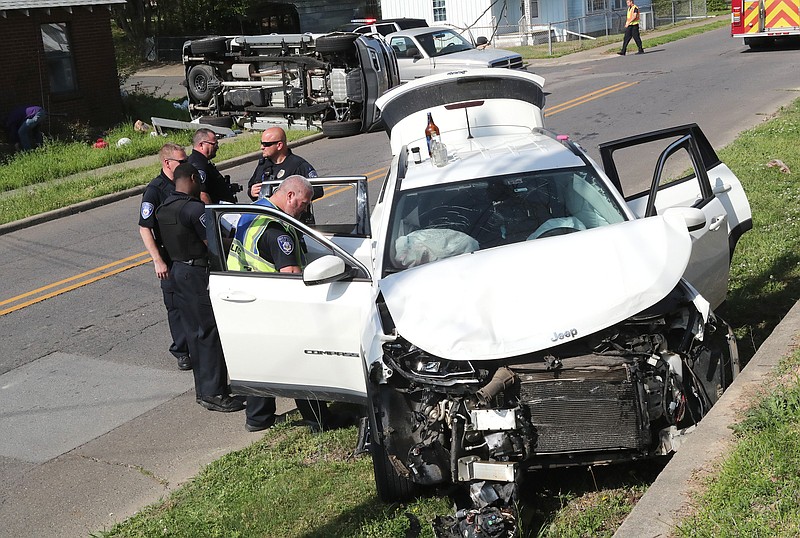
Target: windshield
[
  {"x": 443, "y": 42},
  {"x": 447, "y": 220}
]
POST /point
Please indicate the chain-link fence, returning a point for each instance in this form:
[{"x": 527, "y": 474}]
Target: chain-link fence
[{"x": 582, "y": 32}]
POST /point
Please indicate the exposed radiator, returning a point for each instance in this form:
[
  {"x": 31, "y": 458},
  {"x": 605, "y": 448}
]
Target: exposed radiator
[{"x": 584, "y": 411}]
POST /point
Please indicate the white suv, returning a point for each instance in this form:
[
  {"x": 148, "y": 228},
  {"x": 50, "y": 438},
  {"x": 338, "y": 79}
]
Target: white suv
[{"x": 509, "y": 310}]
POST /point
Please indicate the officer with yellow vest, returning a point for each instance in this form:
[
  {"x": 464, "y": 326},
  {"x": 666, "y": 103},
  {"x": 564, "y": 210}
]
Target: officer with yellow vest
[
  {"x": 265, "y": 244},
  {"x": 632, "y": 28}
]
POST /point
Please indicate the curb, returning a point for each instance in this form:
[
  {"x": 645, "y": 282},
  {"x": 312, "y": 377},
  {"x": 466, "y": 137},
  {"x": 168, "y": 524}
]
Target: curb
[
  {"x": 668, "y": 500},
  {"x": 134, "y": 191}
]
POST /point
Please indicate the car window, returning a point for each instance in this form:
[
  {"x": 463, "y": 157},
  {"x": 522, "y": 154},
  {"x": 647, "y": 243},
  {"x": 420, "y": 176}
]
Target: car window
[
  {"x": 437, "y": 222},
  {"x": 448, "y": 42},
  {"x": 404, "y": 47},
  {"x": 386, "y": 29}
]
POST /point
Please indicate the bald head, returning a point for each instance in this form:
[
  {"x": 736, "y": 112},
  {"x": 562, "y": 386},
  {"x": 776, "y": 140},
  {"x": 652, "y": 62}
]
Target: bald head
[{"x": 293, "y": 195}]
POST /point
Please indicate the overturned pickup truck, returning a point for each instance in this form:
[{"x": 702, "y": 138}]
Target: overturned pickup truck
[{"x": 299, "y": 81}]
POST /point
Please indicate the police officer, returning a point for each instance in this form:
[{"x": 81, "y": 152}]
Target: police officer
[
  {"x": 277, "y": 162},
  {"x": 213, "y": 185},
  {"x": 631, "y": 28},
  {"x": 181, "y": 219},
  {"x": 155, "y": 193},
  {"x": 264, "y": 244}
]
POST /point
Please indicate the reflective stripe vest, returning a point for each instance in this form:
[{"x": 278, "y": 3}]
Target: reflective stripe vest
[
  {"x": 244, "y": 255},
  {"x": 630, "y": 14}
]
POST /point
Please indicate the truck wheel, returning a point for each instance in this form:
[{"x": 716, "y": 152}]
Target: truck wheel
[
  {"x": 339, "y": 129},
  {"x": 391, "y": 487},
  {"x": 217, "y": 121},
  {"x": 209, "y": 45},
  {"x": 200, "y": 81},
  {"x": 336, "y": 42}
]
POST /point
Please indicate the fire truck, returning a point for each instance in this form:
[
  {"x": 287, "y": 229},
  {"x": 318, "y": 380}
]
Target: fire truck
[{"x": 762, "y": 22}]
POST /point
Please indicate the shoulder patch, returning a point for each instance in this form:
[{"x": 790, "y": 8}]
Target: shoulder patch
[
  {"x": 312, "y": 173},
  {"x": 286, "y": 244},
  {"x": 147, "y": 210},
  {"x": 203, "y": 220},
  {"x": 202, "y": 174}
]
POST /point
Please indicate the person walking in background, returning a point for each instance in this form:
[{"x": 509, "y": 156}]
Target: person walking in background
[
  {"x": 632, "y": 29},
  {"x": 24, "y": 127},
  {"x": 182, "y": 223},
  {"x": 171, "y": 155}
]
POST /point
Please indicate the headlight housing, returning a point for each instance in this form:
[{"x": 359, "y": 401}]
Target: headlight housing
[{"x": 416, "y": 364}]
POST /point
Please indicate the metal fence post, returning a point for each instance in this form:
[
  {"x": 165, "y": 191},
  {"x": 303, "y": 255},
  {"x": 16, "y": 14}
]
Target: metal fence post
[{"x": 549, "y": 39}]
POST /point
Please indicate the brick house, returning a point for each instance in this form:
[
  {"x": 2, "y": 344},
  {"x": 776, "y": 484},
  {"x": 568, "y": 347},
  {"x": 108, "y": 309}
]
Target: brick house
[{"x": 59, "y": 54}]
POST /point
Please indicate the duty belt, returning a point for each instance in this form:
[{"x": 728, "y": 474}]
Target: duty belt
[{"x": 199, "y": 262}]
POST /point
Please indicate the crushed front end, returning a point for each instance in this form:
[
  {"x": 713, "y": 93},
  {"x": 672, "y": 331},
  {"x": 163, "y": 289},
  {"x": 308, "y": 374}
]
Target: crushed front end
[{"x": 624, "y": 393}]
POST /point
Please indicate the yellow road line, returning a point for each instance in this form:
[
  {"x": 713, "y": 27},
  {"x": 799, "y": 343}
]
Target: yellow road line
[{"x": 588, "y": 97}]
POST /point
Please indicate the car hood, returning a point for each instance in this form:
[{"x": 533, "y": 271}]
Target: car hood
[
  {"x": 530, "y": 296},
  {"x": 474, "y": 57}
]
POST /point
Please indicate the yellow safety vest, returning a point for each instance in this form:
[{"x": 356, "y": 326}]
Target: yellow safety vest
[
  {"x": 244, "y": 255},
  {"x": 630, "y": 14}
]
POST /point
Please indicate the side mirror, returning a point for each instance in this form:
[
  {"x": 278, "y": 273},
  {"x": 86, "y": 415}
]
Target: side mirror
[
  {"x": 693, "y": 217},
  {"x": 324, "y": 270},
  {"x": 481, "y": 41}
]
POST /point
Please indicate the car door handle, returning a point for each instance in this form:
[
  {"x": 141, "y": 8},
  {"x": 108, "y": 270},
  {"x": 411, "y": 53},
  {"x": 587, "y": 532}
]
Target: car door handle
[
  {"x": 237, "y": 297},
  {"x": 716, "y": 222},
  {"x": 719, "y": 189}
]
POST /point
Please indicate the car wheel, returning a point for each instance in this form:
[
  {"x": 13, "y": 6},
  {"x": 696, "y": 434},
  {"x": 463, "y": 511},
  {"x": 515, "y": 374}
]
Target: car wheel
[
  {"x": 201, "y": 81},
  {"x": 209, "y": 45},
  {"x": 217, "y": 121},
  {"x": 391, "y": 487},
  {"x": 338, "y": 129},
  {"x": 336, "y": 43}
]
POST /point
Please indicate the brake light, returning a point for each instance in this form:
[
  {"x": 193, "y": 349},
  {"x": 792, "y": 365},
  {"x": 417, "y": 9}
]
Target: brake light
[{"x": 736, "y": 13}]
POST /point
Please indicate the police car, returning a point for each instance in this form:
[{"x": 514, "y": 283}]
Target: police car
[{"x": 512, "y": 306}]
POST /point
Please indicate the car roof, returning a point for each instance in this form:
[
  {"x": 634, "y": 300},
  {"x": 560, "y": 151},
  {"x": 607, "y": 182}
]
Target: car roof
[
  {"x": 490, "y": 156},
  {"x": 411, "y": 32}
]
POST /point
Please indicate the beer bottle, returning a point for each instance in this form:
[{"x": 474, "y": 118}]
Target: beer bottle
[{"x": 431, "y": 132}]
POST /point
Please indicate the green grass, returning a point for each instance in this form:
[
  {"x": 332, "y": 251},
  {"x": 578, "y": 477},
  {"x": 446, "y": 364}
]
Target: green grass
[
  {"x": 757, "y": 489},
  {"x": 32, "y": 174},
  {"x": 290, "y": 483},
  {"x": 538, "y": 52}
]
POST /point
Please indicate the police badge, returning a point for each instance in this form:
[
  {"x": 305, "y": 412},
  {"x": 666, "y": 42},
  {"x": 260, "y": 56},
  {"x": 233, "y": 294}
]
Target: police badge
[
  {"x": 286, "y": 244},
  {"x": 147, "y": 210}
]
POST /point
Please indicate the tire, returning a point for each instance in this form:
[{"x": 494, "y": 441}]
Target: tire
[
  {"x": 391, "y": 487},
  {"x": 209, "y": 45},
  {"x": 336, "y": 42},
  {"x": 339, "y": 129},
  {"x": 201, "y": 82},
  {"x": 217, "y": 121}
]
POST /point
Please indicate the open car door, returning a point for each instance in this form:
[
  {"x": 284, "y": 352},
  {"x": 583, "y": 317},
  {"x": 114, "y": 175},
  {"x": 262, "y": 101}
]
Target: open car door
[
  {"x": 686, "y": 173},
  {"x": 297, "y": 335}
]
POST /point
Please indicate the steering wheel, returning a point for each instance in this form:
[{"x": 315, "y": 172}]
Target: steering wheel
[
  {"x": 446, "y": 216},
  {"x": 561, "y": 230}
]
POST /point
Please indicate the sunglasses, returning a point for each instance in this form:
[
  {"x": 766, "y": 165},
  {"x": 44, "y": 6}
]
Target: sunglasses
[
  {"x": 179, "y": 161},
  {"x": 215, "y": 143},
  {"x": 268, "y": 144}
]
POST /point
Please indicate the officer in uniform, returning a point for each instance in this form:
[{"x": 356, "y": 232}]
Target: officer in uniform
[
  {"x": 157, "y": 191},
  {"x": 181, "y": 219},
  {"x": 213, "y": 185},
  {"x": 277, "y": 163},
  {"x": 264, "y": 244}
]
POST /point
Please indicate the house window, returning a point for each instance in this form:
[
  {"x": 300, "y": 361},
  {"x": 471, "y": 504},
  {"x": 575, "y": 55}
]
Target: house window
[
  {"x": 439, "y": 11},
  {"x": 58, "y": 55},
  {"x": 593, "y": 6},
  {"x": 534, "y": 9},
  {"x": 620, "y": 4}
]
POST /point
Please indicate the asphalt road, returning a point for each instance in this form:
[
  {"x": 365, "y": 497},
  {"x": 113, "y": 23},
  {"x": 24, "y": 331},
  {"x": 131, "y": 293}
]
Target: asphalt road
[{"x": 85, "y": 379}]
